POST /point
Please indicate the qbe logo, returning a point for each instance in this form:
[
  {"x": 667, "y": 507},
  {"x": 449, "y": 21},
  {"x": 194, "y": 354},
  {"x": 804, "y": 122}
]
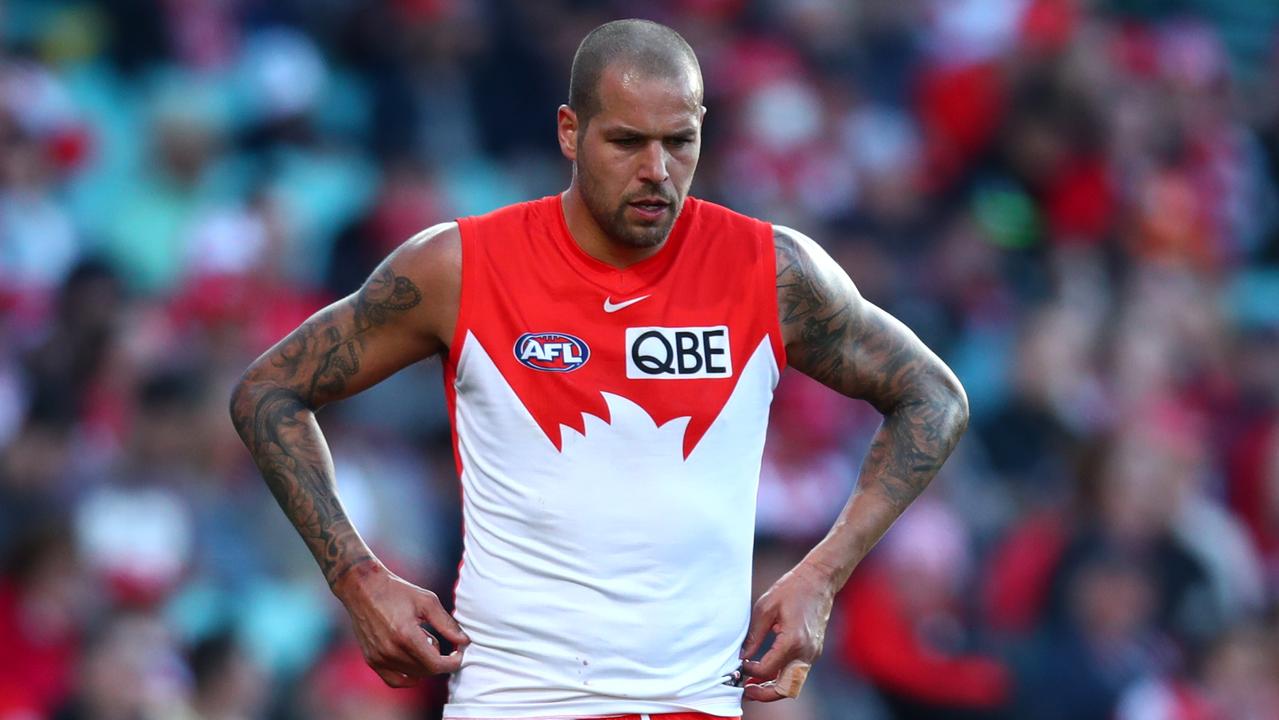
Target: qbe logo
[
  {"x": 551, "y": 351},
  {"x": 685, "y": 353}
]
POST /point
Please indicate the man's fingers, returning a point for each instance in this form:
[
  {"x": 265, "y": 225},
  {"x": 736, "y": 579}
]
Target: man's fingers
[
  {"x": 415, "y": 653},
  {"x": 399, "y": 662},
  {"x": 397, "y": 679},
  {"x": 762, "y": 692},
  {"x": 761, "y": 621},
  {"x": 767, "y": 667},
  {"x": 790, "y": 681},
  {"x": 450, "y": 663},
  {"x": 788, "y": 684},
  {"x": 427, "y": 652},
  {"x": 430, "y": 610},
  {"x": 421, "y": 648}
]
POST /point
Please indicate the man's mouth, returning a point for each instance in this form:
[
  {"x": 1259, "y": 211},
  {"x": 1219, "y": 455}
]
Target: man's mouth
[{"x": 650, "y": 208}]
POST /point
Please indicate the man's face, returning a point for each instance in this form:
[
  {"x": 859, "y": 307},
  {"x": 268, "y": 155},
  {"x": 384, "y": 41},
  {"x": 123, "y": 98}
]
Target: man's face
[{"x": 635, "y": 159}]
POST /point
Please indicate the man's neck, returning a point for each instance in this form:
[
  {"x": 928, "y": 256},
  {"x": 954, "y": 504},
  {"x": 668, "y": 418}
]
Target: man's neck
[{"x": 592, "y": 239}]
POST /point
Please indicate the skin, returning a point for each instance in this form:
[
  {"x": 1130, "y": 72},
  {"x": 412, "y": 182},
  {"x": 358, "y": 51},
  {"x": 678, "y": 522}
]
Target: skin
[
  {"x": 835, "y": 336},
  {"x": 644, "y": 142},
  {"x": 398, "y": 317}
]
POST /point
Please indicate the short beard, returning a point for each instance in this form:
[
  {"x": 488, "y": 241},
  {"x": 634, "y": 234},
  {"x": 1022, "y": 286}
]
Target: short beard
[
  {"x": 613, "y": 220},
  {"x": 617, "y": 228}
]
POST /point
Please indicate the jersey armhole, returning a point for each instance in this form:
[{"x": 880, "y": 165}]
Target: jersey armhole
[
  {"x": 462, "y": 325},
  {"x": 774, "y": 324}
]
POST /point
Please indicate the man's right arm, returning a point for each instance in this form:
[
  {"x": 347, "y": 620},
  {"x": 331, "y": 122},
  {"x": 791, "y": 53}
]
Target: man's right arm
[{"x": 404, "y": 312}]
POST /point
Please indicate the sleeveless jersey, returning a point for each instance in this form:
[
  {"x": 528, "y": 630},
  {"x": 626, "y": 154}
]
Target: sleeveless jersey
[{"x": 608, "y": 427}]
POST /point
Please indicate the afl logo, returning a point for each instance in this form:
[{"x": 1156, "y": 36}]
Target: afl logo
[{"x": 551, "y": 351}]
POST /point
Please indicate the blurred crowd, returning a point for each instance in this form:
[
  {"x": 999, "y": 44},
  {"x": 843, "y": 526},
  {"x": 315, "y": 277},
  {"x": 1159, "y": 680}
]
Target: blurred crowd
[{"x": 1074, "y": 202}]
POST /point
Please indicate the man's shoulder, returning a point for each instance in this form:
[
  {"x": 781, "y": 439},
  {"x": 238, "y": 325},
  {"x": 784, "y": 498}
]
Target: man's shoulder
[
  {"x": 432, "y": 256},
  {"x": 520, "y": 212},
  {"x": 714, "y": 212},
  {"x": 745, "y": 237},
  {"x": 435, "y": 254},
  {"x": 434, "y": 243}
]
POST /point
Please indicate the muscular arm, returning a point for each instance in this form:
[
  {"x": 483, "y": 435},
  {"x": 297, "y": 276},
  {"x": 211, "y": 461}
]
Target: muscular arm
[
  {"x": 393, "y": 320},
  {"x": 835, "y": 336},
  {"x": 845, "y": 342},
  {"x": 404, "y": 312}
]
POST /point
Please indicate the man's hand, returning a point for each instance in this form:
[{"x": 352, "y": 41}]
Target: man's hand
[
  {"x": 392, "y": 619},
  {"x": 796, "y": 610}
]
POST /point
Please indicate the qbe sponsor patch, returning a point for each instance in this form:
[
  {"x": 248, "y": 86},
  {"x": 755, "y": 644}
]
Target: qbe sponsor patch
[{"x": 678, "y": 353}]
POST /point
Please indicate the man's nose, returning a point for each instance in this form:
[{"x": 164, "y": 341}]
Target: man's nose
[{"x": 653, "y": 164}]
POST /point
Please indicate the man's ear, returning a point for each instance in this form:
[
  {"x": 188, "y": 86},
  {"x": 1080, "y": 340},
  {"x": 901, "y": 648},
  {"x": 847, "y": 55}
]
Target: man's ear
[{"x": 567, "y": 129}]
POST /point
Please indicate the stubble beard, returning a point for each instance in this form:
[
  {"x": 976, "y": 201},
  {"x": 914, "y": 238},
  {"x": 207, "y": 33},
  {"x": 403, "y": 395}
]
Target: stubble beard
[
  {"x": 612, "y": 220},
  {"x": 636, "y": 235}
]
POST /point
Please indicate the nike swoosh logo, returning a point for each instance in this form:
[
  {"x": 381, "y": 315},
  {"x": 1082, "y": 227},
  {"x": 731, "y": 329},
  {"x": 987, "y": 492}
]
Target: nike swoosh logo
[{"x": 610, "y": 306}]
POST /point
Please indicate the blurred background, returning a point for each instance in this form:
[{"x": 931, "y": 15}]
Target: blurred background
[{"x": 1074, "y": 202}]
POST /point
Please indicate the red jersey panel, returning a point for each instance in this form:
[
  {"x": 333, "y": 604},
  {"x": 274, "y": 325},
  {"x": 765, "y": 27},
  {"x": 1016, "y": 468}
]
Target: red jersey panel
[{"x": 609, "y": 425}]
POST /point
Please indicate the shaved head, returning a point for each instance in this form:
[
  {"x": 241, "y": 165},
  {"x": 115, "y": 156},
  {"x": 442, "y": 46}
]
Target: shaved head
[
  {"x": 649, "y": 48},
  {"x": 633, "y": 131}
]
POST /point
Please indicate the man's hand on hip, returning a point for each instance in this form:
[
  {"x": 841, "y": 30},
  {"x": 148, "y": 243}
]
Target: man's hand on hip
[
  {"x": 393, "y": 620},
  {"x": 796, "y": 610}
]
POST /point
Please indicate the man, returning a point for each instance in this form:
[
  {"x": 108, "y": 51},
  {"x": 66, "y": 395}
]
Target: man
[{"x": 609, "y": 356}]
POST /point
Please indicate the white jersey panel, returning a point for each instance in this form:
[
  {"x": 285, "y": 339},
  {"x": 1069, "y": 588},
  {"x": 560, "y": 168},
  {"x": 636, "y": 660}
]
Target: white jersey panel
[{"x": 612, "y": 577}]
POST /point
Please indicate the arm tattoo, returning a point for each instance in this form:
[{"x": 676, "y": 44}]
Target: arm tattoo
[
  {"x": 849, "y": 345},
  {"x": 287, "y": 445},
  {"x": 275, "y": 416},
  {"x": 823, "y": 327},
  {"x": 334, "y": 346}
]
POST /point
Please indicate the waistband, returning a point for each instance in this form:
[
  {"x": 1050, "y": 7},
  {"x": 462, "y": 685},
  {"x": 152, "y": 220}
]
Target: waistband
[
  {"x": 668, "y": 716},
  {"x": 646, "y": 716}
]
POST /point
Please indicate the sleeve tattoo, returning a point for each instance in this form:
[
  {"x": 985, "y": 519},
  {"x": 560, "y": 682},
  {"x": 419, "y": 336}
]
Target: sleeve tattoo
[
  {"x": 848, "y": 344},
  {"x": 274, "y": 413}
]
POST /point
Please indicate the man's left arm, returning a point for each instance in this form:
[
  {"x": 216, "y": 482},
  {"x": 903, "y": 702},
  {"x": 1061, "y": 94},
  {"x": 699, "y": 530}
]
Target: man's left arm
[{"x": 845, "y": 342}]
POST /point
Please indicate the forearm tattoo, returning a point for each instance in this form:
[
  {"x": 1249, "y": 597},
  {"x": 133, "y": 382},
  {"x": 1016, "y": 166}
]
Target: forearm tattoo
[
  {"x": 275, "y": 415},
  {"x": 864, "y": 353}
]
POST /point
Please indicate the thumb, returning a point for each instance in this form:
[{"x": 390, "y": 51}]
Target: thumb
[
  {"x": 761, "y": 621},
  {"x": 430, "y": 609}
]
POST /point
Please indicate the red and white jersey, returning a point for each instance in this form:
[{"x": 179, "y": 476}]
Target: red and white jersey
[{"x": 608, "y": 426}]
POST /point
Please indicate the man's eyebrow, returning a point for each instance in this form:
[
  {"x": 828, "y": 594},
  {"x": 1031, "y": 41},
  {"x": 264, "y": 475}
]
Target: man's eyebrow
[
  {"x": 616, "y": 130},
  {"x": 624, "y": 130}
]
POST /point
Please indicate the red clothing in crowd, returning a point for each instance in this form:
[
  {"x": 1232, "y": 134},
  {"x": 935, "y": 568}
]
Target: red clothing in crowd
[
  {"x": 35, "y": 672},
  {"x": 883, "y": 642}
]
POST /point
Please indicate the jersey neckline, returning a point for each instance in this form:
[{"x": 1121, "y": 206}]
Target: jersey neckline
[{"x": 627, "y": 280}]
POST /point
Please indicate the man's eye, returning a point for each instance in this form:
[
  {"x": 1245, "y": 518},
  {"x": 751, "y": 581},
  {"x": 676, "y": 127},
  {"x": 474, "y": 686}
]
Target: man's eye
[
  {"x": 627, "y": 142},
  {"x": 679, "y": 142}
]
